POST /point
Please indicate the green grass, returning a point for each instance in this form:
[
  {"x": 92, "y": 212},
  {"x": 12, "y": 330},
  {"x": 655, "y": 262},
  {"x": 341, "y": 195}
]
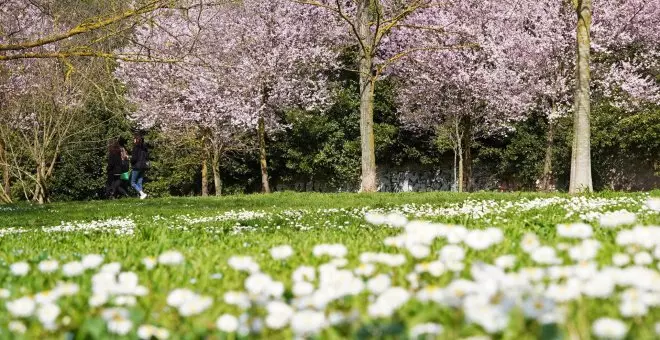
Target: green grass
[
  {"x": 20, "y": 215},
  {"x": 299, "y": 220}
]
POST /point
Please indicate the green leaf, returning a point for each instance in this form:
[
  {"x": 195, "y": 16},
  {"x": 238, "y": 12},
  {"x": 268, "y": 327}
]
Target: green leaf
[{"x": 551, "y": 332}]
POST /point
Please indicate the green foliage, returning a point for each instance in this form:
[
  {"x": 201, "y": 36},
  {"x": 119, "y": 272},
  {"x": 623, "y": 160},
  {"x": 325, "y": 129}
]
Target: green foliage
[
  {"x": 521, "y": 161},
  {"x": 175, "y": 166},
  {"x": 80, "y": 172},
  {"x": 333, "y": 218},
  {"x": 325, "y": 147},
  {"x": 320, "y": 146},
  {"x": 626, "y": 148}
]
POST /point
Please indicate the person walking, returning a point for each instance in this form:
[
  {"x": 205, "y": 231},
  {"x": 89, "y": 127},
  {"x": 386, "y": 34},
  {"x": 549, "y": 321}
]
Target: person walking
[
  {"x": 139, "y": 164},
  {"x": 117, "y": 167}
]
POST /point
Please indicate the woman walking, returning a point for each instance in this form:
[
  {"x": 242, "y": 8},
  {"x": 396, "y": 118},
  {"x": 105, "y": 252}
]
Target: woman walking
[
  {"x": 117, "y": 166},
  {"x": 139, "y": 164}
]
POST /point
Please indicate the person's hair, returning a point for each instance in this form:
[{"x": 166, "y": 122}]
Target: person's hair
[
  {"x": 114, "y": 147},
  {"x": 139, "y": 138},
  {"x": 121, "y": 141}
]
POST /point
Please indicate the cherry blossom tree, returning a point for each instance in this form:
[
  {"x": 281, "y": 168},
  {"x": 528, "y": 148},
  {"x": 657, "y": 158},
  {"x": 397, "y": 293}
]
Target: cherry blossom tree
[
  {"x": 271, "y": 58},
  {"x": 549, "y": 27},
  {"x": 617, "y": 25},
  {"x": 371, "y": 25},
  {"x": 46, "y": 35},
  {"x": 526, "y": 58},
  {"x": 470, "y": 92},
  {"x": 40, "y": 42},
  {"x": 40, "y": 29},
  {"x": 581, "y": 152},
  {"x": 189, "y": 98},
  {"x": 38, "y": 124},
  {"x": 283, "y": 59}
]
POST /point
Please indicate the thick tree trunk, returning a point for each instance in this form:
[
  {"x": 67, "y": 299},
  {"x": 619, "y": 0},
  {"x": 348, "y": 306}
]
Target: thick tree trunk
[
  {"x": 205, "y": 178},
  {"x": 581, "y": 154},
  {"x": 265, "y": 187},
  {"x": 546, "y": 182},
  {"x": 40, "y": 194},
  {"x": 367, "y": 83},
  {"x": 217, "y": 181},
  {"x": 37, "y": 197}
]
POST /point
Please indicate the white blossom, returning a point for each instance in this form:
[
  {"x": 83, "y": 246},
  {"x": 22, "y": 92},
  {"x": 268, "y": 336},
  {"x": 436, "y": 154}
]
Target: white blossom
[
  {"x": 149, "y": 262},
  {"x": 171, "y": 257},
  {"x": 281, "y": 252},
  {"x": 48, "y": 266},
  {"x": 17, "y": 327},
  {"x": 19, "y": 268},
  {"x": 608, "y": 328},
  {"x": 307, "y": 322},
  {"x": 243, "y": 263},
  {"x": 227, "y": 323},
  {"x": 574, "y": 230},
  {"x": 74, "y": 268},
  {"x": 22, "y": 307},
  {"x": 92, "y": 261},
  {"x": 616, "y": 218}
]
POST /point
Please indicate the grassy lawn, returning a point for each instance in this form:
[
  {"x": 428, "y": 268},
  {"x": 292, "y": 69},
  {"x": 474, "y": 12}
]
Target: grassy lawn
[{"x": 440, "y": 278}]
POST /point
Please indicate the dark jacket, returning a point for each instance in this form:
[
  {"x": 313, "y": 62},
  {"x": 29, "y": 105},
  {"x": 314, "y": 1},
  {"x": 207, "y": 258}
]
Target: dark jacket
[
  {"x": 116, "y": 165},
  {"x": 140, "y": 157}
]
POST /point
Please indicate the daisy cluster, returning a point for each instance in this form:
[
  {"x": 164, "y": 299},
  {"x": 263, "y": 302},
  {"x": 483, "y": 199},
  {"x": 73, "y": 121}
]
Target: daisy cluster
[
  {"x": 124, "y": 226},
  {"x": 588, "y": 209},
  {"x": 603, "y": 272},
  {"x": 112, "y": 292},
  {"x": 543, "y": 281}
]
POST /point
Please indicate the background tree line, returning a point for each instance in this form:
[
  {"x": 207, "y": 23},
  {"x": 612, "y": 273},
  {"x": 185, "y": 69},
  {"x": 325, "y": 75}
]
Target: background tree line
[
  {"x": 470, "y": 84},
  {"x": 326, "y": 147}
]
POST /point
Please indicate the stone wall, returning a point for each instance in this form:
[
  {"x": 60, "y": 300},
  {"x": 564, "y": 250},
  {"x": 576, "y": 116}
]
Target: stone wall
[
  {"x": 419, "y": 179},
  {"x": 410, "y": 179},
  {"x": 415, "y": 180}
]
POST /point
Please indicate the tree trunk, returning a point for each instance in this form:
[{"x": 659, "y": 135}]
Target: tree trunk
[
  {"x": 581, "y": 153},
  {"x": 205, "y": 180},
  {"x": 217, "y": 181},
  {"x": 265, "y": 187},
  {"x": 6, "y": 184},
  {"x": 40, "y": 195},
  {"x": 37, "y": 195},
  {"x": 467, "y": 164},
  {"x": 547, "y": 178},
  {"x": 367, "y": 83},
  {"x": 455, "y": 177},
  {"x": 461, "y": 170},
  {"x": 467, "y": 154},
  {"x": 458, "y": 152}
]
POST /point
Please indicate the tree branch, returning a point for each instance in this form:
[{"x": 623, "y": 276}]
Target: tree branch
[
  {"x": 87, "y": 27},
  {"x": 400, "y": 55},
  {"x": 337, "y": 10},
  {"x": 68, "y": 54}
]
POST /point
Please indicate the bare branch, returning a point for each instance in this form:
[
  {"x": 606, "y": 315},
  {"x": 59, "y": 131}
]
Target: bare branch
[
  {"x": 68, "y": 54},
  {"x": 392, "y": 22},
  {"x": 87, "y": 27}
]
